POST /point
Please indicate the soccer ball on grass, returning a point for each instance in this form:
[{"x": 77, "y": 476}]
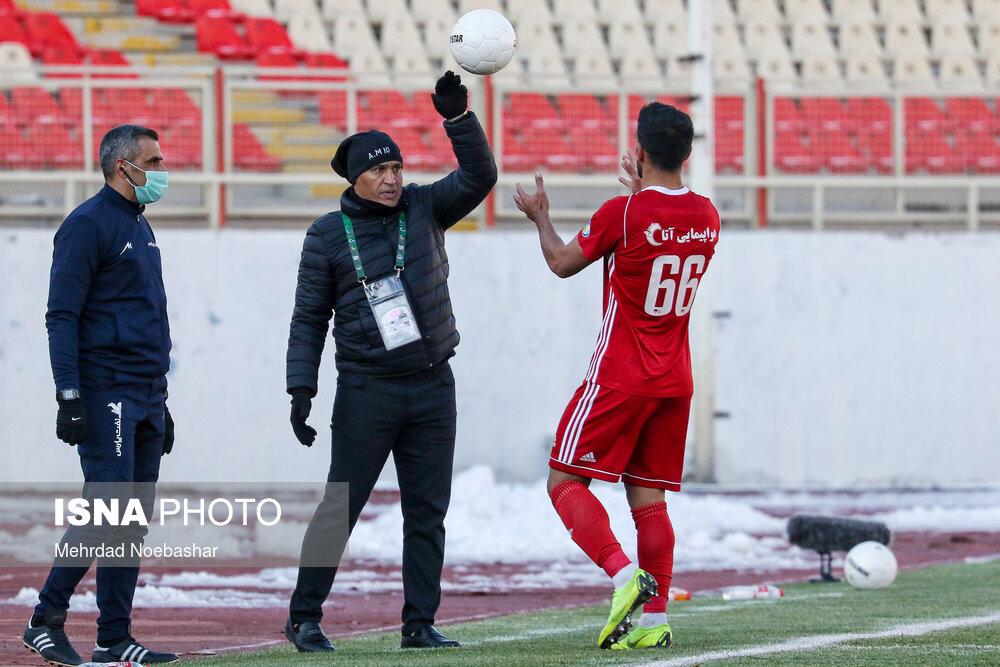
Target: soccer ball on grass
[
  {"x": 870, "y": 565},
  {"x": 483, "y": 41}
]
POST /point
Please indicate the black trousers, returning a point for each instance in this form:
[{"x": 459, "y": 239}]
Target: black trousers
[{"x": 412, "y": 417}]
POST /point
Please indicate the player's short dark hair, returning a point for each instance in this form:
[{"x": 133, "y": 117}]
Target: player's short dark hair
[
  {"x": 122, "y": 142},
  {"x": 665, "y": 133}
]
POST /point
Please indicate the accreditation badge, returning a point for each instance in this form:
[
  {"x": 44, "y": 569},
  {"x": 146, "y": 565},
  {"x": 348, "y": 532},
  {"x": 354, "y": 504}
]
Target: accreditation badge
[{"x": 393, "y": 314}]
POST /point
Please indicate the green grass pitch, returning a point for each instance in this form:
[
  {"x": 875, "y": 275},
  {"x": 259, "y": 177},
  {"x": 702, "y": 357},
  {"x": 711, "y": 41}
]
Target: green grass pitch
[{"x": 947, "y": 615}]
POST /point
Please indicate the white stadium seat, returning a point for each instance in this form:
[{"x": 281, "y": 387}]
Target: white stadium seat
[
  {"x": 821, "y": 72},
  {"x": 628, "y": 36},
  {"x": 609, "y": 10},
  {"x": 519, "y": 10},
  {"x": 669, "y": 10},
  {"x": 380, "y": 11},
  {"x": 731, "y": 68},
  {"x": 254, "y": 8},
  {"x": 400, "y": 35},
  {"x": 777, "y": 69},
  {"x": 571, "y": 10},
  {"x": 763, "y": 37},
  {"x": 758, "y": 9},
  {"x": 670, "y": 37},
  {"x": 16, "y": 63},
  {"x": 864, "y": 71},
  {"x": 593, "y": 69},
  {"x": 859, "y": 37},
  {"x": 308, "y": 32},
  {"x": 899, "y": 10},
  {"x": 536, "y": 37},
  {"x": 466, "y": 6},
  {"x": 993, "y": 71},
  {"x": 913, "y": 71},
  {"x": 334, "y": 9},
  {"x": 808, "y": 10},
  {"x": 726, "y": 39},
  {"x": 958, "y": 73},
  {"x": 437, "y": 31},
  {"x": 905, "y": 38},
  {"x": 370, "y": 68},
  {"x": 812, "y": 38},
  {"x": 421, "y": 9},
  {"x": 945, "y": 10},
  {"x": 640, "y": 71},
  {"x": 352, "y": 33},
  {"x": 985, "y": 9},
  {"x": 582, "y": 36},
  {"x": 285, "y": 9},
  {"x": 951, "y": 37},
  {"x": 409, "y": 67},
  {"x": 852, "y": 10},
  {"x": 989, "y": 38}
]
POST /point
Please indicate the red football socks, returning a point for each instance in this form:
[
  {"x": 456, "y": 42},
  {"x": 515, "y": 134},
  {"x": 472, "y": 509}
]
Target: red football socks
[
  {"x": 656, "y": 550},
  {"x": 589, "y": 526}
]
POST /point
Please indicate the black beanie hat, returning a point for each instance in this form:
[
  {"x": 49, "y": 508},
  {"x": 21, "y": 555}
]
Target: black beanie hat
[{"x": 362, "y": 151}]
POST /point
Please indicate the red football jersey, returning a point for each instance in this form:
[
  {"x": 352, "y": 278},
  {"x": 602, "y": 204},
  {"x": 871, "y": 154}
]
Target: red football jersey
[{"x": 656, "y": 246}]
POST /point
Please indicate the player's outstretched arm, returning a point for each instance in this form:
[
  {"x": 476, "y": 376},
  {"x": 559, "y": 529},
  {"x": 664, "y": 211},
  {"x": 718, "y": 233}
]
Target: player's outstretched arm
[{"x": 564, "y": 259}]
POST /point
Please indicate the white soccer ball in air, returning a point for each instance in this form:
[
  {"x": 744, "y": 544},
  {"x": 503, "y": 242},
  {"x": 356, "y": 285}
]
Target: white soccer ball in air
[
  {"x": 483, "y": 41},
  {"x": 870, "y": 565}
]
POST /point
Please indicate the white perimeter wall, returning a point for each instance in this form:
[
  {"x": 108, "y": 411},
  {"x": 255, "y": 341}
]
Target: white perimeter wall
[{"x": 840, "y": 359}]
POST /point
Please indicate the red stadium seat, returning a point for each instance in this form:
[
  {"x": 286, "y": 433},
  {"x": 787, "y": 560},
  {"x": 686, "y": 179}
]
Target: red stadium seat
[
  {"x": 265, "y": 35},
  {"x": 728, "y": 115},
  {"x": 8, "y": 7},
  {"x": 168, "y": 11},
  {"x": 836, "y": 152},
  {"x": 584, "y": 110},
  {"x": 54, "y": 145},
  {"x": 326, "y": 61},
  {"x": 34, "y": 104},
  {"x": 595, "y": 147},
  {"x": 111, "y": 58},
  {"x": 792, "y": 156},
  {"x": 980, "y": 150},
  {"x": 47, "y": 31},
  {"x": 787, "y": 117},
  {"x": 218, "y": 35},
  {"x": 729, "y": 151},
  {"x": 182, "y": 147},
  {"x": 970, "y": 114},
  {"x": 214, "y": 8},
  {"x": 878, "y": 147},
  {"x": 120, "y": 105},
  {"x": 922, "y": 114},
  {"x": 929, "y": 151},
  {"x": 177, "y": 105},
  {"x": 8, "y": 115},
  {"x": 531, "y": 110},
  {"x": 16, "y": 152},
  {"x": 823, "y": 113},
  {"x": 869, "y": 114},
  {"x": 12, "y": 30},
  {"x": 417, "y": 155},
  {"x": 683, "y": 103},
  {"x": 548, "y": 144},
  {"x": 58, "y": 57},
  {"x": 249, "y": 153}
]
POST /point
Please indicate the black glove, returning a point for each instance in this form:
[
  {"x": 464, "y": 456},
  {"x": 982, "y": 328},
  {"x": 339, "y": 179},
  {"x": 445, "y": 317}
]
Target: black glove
[
  {"x": 168, "y": 431},
  {"x": 71, "y": 421},
  {"x": 450, "y": 97},
  {"x": 301, "y": 406}
]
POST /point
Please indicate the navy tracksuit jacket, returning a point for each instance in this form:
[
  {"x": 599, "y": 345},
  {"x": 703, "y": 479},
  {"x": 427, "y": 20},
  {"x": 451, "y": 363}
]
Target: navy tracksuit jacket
[{"x": 109, "y": 338}]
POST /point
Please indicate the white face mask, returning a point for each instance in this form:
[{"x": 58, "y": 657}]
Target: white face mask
[{"x": 156, "y": 185}]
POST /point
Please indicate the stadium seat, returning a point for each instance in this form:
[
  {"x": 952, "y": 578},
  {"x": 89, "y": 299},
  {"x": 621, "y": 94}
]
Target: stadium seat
[
  {"x": 859, "y": 38},
  {"x": 791, "y": 155},
  {"x": 852, "y": 10},
  {"x": 993, "y": 71},
  {"x": 670, "y": 37},
  {"x": 334, "y": 9},
  {"x": 641, "y": 71},
  {"x": 564, "y": 11},
  {"x": 34, "y": 105},
  {"x": 959, "y": 74},
  {"x": 308, "y": 33},
  {"x": 868, "y": 115},
  {"x": 520, "y": 10},
  {"x": 332, "y": 106},
  {"x": 787, "y": 116},
  {"x": 115, "y": 103},
  {"x": 980, "y": 150},
  {"x": 914, "y": 72},
  {"x": 729, "y": 152},
  {"x": 286, "y": 9},
  {"x": 989, "y": 37},
  {"x": 168, "y": 11},
  {"x": 531, "y": 110},
  {"x": 946, "y": 10},
  {"x": 749, "y": 10},
  {"x": 985, "y": 9},
  {"x": 16, "y": 152},
  {"x": 8, "y": 117},
  {"x": 806, "y": 10},
  {"x": 54, "y": 145},
  {"x": 281, "y": 59},
  {"x": 811, "y": 38},
  {"x": 380, "y": 11},
  {"x": 726, "y": 39},
  {"x": 549, "y": 148},
  {"x": 583, "y": 110},
  {"x": 47, "y": 31},
  {"x": 370, "y": 67},
  {"x": 877, "y": 146},
  {"x": 400, "y": 35},
  {"x": 777, "y": 69},
  {"x": 627, "y": 36},
  {"x": 16, "y": 63},
  {"x": 465, "y": 6},
  {"x": 409, "y": 67},
  {"x": 252, "y": 8},
  {"x": 763, "y": 38},
  {"x": 837, "y": 153},
  {"x": 722, "y": 11},
  {"x": 249, "y": 153},
  {"x": 580, "y": 37},
  {"x": 352, "y": 34},
  {"x": 971, "y": 114},
  {"x": 12, "y": 30},
  {"x": 821, "y": 72},
  {"x": 899, "y": 10},
  {"x": 214, "y": 8},
  {"x": 951, "y": 36},
  {"x": 326, "y": 61},
  {"x": 730, "y": 69},
  {"x": 597, "y": 149},
  {"x": 218, "y": 35},
  {"x": 177, "y": 105},
  {"x": 929, "y": 151},
  {"x": 905, "y": 38},
  {"x": 866, "y": 73},
  {"x": 60, "y": 58},
  {"x": 546, "y": 67},
  {"x": 594, "y": 69},
  {"x": 611, "y": 10},
  {"x": 267, "y": 35},
  {"x": 433, "y": 8},
  {"x": 182, "y": 148},
  {"x": 823, "y": 114},
  {"x": 437, "y": 34},
  {"x": 728, "y": 113},
  {"x": 922, "y": 114}
]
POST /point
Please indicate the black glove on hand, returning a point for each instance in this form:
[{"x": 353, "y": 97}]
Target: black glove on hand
[
  {"x": 168, "y": 431},
  {"x": 450, "y": 97},
  {"x": 71, "y": 421},
  {"x": 301, "y": 406}
]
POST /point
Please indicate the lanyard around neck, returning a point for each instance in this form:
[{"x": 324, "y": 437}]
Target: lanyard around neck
[{"x": 352, "y": 242}]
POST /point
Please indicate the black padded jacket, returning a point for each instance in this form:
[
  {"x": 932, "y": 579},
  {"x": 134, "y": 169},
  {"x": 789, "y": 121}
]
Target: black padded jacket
[{"x": 328, "y": 284}]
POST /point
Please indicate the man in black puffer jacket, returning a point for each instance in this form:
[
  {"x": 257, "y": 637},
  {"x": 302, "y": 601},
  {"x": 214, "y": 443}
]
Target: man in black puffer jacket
[{"x": 379, "y": 267}]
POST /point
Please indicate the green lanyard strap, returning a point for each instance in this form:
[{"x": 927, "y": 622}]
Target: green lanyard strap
[{"x": 352, "y": 243}]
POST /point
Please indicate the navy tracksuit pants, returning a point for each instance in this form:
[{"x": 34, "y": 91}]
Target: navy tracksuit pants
[
  {"x": 125, "y": 430},
  {"x": 413, "y": 418}
]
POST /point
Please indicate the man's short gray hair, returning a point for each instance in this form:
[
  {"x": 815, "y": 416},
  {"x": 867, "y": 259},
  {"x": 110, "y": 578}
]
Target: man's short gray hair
[{"x": 122, "y": 142}]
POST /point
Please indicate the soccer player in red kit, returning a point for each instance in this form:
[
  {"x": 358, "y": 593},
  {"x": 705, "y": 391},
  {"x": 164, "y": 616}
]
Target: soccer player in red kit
[{"x": 628, "y": 420}]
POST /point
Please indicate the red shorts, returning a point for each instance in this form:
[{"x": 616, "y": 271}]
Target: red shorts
[{"x": 607, "y": 434}]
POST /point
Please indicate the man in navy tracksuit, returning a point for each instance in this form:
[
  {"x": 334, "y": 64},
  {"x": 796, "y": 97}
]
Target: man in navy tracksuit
[{"x": 109, "y": 345}]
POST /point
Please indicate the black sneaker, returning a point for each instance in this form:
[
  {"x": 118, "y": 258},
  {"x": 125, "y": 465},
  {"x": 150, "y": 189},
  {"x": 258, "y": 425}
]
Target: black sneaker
[
  {"x": 129, "y": 650},
  {"x": 308, "y": 638},
  {"x": 426, "y": 637},
  {"x": 49, "y": 640}
]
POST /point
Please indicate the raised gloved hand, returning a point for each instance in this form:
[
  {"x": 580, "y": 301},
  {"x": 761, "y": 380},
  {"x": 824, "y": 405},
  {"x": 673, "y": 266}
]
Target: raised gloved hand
[
  {"x": 168, "y": 431},
  {"x": 71, "y": 421},
  {"x": 301, "y": 406},
  {"x": 450, "y": 97}
]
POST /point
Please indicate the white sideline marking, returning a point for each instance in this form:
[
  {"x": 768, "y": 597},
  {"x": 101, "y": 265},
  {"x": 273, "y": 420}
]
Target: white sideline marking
[
  {"x": 241, "y": 647},
  {"x": 821, "y": 641}
]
